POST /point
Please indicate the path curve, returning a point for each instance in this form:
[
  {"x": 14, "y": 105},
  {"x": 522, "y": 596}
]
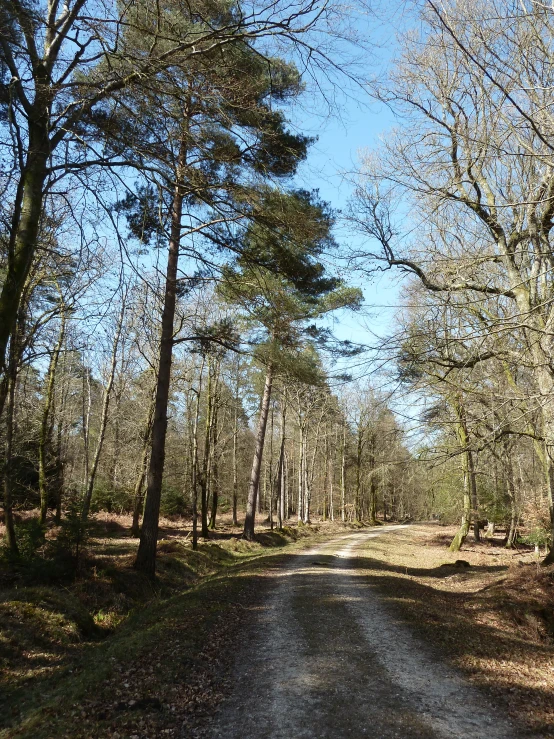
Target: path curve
[{"x": 326, "y": 659}]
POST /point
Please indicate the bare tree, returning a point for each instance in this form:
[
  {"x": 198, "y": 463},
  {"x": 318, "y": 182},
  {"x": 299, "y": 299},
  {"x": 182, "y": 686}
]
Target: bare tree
[{"x": 478, "y": 175}]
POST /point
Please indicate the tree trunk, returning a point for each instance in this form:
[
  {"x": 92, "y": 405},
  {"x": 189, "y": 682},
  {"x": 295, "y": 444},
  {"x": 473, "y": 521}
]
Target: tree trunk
[
  {"x": 206, "y": 458},
  {"x": 257, "y": 461},
  {"x": 473, "y": 493},
  {"x": 46, "y": 426},
  {"x": 10, "y": 536},
  {"x": 511, "y": 491},
  {"x": 306, "y": 482},
  {"x": 116, "y": 450},
  {"x": 139, "y": 485},
  {"x": 215, "y": 493},
  {"x": 287, "y": 512},
  {"x": 104, "y": 416},
  {"x": 270, "y": 468},
  {"x": 372, "y": 507},
  {"x": 301, "y": 461},
  {"x": 358, "y": 501},
  {"x": 60, "y": 464},
  {"x": 138, "y": 496},
  {"x": 146, "y": 555},
  {"x": 463, "y": 531},
  {"x": 195, "y": 462},
  {"x": 545, "y": 380},
  {"x": 25, "y": 223},
  {"x": 214, "y": 461},
  {"x": 332, "y": 457},
  {"x": 87, "y": 403},
  {"x": 544, "y": 451},
  {"x": 343, "y": 476},
  {"x": 280, "y": 465},
  {"x": 549, "y": 559},
  {"x": 235, "y": 458},
  {"x": 264, "y": 478},
  {"x": 326, "y": 479},
  {"x": 310, "y": 473},
  {"x": 467, "y": 467},
  {"x": 489, "y": 533}
]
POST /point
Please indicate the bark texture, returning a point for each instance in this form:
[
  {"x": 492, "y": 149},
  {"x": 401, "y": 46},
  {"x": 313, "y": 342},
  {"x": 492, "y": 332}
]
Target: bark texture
[
  {"x": 146, "y": 555},
  {"x": 254, "y": 483}
]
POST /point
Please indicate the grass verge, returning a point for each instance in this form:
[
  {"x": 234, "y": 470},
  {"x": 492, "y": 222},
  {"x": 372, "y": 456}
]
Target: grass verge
[
  {"x": 493, "y": 619},
  {"x": 110, "y": 656}
]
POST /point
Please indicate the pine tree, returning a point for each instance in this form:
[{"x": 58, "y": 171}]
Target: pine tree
[
  {"x": 220, "y": 133},
  {"x": 281, "y": 284}
]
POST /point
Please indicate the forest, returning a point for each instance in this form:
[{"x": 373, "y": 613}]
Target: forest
[
  {"x": 173, "y": 297},
  {"x": 163, "y": 272},
  {"x": 160, "y": 267}
]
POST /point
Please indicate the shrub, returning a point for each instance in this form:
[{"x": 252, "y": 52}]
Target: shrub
[
  {"x": 538, "y": 536},
  {"x": 173, "y": 503},
  {"x": 30, "y": 536},
  {"x": 111, "y": 499},
  {"x": 73, "y": 536}
]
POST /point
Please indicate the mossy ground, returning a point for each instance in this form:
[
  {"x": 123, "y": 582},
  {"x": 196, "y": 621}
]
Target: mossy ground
[{"x": 78, "y": 636}]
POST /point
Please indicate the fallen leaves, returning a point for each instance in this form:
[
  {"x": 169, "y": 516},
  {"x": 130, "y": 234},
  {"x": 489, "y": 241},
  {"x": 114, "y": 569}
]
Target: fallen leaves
[{"x": 496, "y": 622}]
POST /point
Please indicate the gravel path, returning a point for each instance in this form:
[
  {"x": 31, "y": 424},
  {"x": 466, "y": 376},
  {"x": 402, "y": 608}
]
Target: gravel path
[{"x": 325, "y": 659}]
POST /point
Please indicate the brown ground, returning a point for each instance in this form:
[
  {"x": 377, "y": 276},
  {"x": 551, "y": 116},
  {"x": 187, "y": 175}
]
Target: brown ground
[
  {"x": 494, "y": 620},
  {"x": 106, "y": 654},
  {"x": 326, "y": 658},
  {"x": 164, "y": 670}
]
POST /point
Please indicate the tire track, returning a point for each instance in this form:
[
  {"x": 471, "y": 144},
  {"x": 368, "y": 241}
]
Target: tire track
[{"x": 325, "y": 659}]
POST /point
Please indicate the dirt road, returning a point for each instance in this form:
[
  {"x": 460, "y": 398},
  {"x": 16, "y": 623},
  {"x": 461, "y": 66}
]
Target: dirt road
[{"x": 325, "y": 658}]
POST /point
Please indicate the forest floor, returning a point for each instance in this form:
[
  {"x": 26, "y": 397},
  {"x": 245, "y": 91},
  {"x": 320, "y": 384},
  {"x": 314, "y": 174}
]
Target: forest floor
[
  {"x": 69, "y": 631},
  {"x": 369, "y": 631},
  {"x": 379, "y": 633},
  {"x": 493, "y": 620}
]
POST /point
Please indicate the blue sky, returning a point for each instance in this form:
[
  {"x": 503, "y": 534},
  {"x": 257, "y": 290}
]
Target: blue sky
[
  {"x": 331, "y": 159},
  {"x": 331, "y": 162}
]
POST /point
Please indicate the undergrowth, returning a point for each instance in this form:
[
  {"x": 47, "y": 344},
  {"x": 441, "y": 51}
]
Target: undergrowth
[{"x": 57, "y": 600}]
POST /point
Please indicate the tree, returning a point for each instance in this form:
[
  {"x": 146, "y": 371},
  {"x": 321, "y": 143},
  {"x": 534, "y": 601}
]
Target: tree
[
  {"x": 60, "y": 62},
  {"x": 207, "y": 174},
  {"x": 476, "y": 168},
  {"x": 279, "y": 282}
]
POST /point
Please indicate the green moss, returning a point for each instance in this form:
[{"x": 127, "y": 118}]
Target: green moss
[
  {"x": 46, "y": 631},
  {"x": 49, "y": 612}
]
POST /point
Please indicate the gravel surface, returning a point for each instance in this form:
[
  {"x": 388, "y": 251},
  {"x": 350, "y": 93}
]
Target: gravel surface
[{"x": 325, "y": 658}]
